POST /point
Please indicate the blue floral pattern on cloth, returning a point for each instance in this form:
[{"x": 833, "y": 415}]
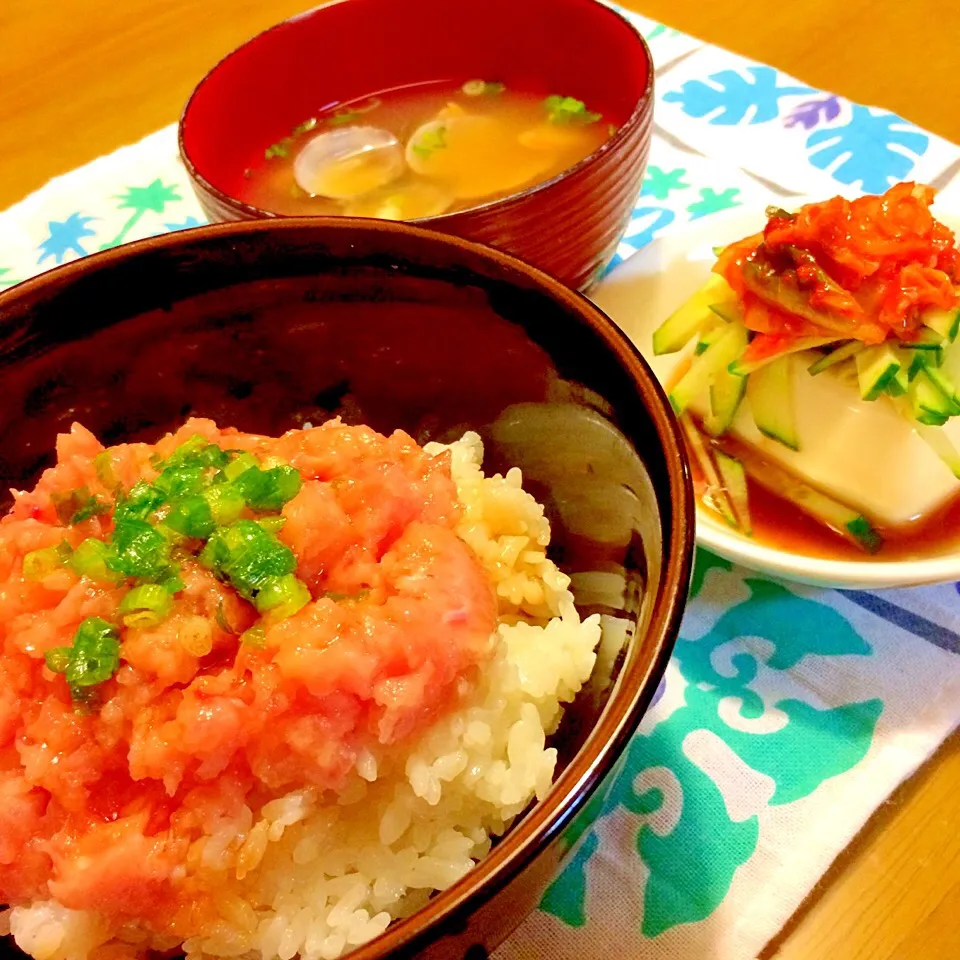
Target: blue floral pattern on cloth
[
  {"x": 872, "y": 149},
  {"x": 727, "y": 98},
  {"x": 794, "y": 136},
  {"x": 65, "y": 237},
  {"x": 813, "y": 112}
]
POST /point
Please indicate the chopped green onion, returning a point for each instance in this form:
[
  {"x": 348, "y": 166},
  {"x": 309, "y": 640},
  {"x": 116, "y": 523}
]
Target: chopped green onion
[
  {"x": 192, "y": 517},
  {"x": 304, "y": 127},
  {"x": 177, "y": 482},
  {"x": 282, "y": 596},
  {"x": 226, "y": 503},
  {"x": 92, "y": 659},
  {"x": 78, "y": 505},
  {"x": 268, "y": 489},
  {"x": 345, "y": 116},
  {"x": 90, "y": 560},
  {"x": 173, "y": 584},
  {"x": 430, "y": 141},
  {"x": 354, "y": 112},
  {"x": 139, "y": 503},
  {"x": 37, "y": 564},
  {"x": 247, "y": 556},
  {"x": 569, "y": 110},
  {"x": 104, "y": 468},
  {"x": 278, "y": 149},
  {"x": 145, "y": 606},
  {"x": 196, "y": 452},
  {"x": 57, "y": 659},
  {"x": 141, "y": 551},
  {"x": 272, "y": 524},
  {"x": 254, "y": 637},
  {"x": 93, "y": 507},
  {"x": 240, "y": 463},
  {"x": 173, "y": 537}
]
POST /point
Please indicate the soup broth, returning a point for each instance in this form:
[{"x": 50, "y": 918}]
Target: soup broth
[{"x": 423, "y": 150}]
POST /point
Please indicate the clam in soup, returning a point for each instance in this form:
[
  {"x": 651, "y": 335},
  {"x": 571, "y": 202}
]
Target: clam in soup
[{"x": 423, "y": 150}]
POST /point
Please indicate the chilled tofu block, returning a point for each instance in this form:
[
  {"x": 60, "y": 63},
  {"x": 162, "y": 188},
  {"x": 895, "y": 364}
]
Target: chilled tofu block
[{"x": 861, "y": 452}]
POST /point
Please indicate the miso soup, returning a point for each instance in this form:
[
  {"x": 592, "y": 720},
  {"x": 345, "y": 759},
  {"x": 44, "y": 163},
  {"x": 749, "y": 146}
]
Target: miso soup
[{"x": 423, "y": 150}]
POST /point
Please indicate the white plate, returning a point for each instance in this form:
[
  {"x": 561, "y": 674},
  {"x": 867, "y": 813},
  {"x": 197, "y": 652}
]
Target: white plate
[{"x": 639, "y": 295}]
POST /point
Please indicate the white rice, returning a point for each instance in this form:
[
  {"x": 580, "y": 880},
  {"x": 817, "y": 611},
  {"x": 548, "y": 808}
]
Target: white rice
[{"x": 315, "y": 879}]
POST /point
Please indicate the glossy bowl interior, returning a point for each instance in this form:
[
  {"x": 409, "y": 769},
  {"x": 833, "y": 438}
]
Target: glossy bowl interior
[
  {"x": 568, "y": 226},
  {"x": 264, "y": 325}
]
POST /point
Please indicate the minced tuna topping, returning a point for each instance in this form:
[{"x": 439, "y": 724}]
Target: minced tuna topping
[{"x": 206, "y": 623}]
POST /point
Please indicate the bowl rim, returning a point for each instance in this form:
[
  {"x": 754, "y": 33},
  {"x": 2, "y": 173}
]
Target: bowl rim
[
  {"x": 623, "y": 133},
  {"x": 542, "y": 823}
]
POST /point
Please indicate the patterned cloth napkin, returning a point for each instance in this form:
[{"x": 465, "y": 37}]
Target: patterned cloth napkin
[{"x": 788, "y": 714}]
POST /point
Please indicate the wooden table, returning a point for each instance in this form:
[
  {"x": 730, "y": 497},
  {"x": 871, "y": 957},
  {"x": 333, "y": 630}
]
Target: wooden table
[{"x": 79, "y": 78}]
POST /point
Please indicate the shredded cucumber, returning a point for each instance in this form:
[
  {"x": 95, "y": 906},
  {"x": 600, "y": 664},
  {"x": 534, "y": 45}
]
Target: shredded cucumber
[
  {"x": 742, "y": 368},
  {"x": 734, "y": 479},
  {"x": 729, "y": 311},
  {"x": 929, "y": 405},
  {"x": 876, "y": 367},
  {"x": 944, "y": 323},
  {"x": 941, "y": 445},
  {"x": 716, "y": 491},
  {"x": 839, "y": 355},
  {"x": 689, "y": 319},
  {"x": 770, "y": 390},
  {"x": 726, "y": 394},
  {"x": 704, "y": 368},
  {"x": 709, "y": 334}
]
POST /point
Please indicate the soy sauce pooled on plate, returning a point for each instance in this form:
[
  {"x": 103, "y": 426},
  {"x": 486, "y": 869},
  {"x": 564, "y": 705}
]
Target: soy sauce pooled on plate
[{"x": 423, "y": 150}]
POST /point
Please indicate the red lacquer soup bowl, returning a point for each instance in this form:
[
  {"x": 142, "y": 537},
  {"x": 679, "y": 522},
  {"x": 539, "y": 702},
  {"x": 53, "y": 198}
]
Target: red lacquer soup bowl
[{"x": 568, "y": 226}]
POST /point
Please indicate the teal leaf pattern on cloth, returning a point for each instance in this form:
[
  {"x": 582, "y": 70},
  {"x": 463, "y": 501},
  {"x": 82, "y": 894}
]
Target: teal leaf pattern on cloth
[
  {"x": 661, "y": 31},
  {"x": 568, "y": 900},
  {"x": 659, "y": 184},
  {"x": 728, "y": 98},
  {"x": 712, "y": 201},
  {"x": 6, "y": 281},
  {"x": 704, "y": 561},
  {"x": 692, "y": 866},
  {"x": 141, "y": 200}
]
